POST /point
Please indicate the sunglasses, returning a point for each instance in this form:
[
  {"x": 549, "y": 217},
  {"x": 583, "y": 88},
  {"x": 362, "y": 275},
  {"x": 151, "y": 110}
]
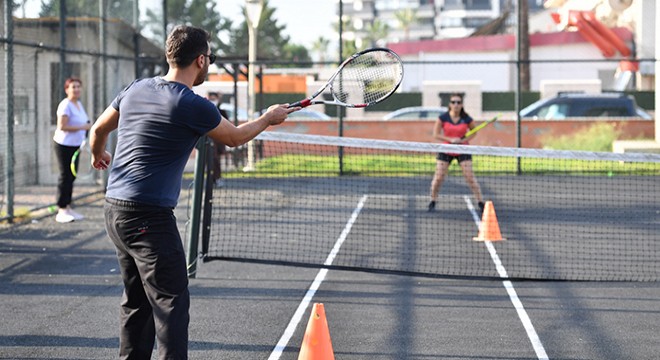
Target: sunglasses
[
  {"x": 455, "y": 102},
  {"x": 211, "y": 57}
]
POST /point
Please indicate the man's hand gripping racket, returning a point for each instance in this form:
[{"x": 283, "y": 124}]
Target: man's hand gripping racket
[{"x": 366, "y": 78}]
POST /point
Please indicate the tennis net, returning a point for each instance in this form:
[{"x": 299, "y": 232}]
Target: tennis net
[{"x": 348, "y": 203}]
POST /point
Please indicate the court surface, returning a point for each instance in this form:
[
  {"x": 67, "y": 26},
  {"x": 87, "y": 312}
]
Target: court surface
[
  {"x": 558, "y": 227},
  {"x": 60, "y": 291}
]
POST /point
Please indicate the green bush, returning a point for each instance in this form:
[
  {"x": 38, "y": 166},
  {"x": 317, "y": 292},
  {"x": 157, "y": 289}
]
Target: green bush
[
  {"x": 598, "y": 137},
  {"x": 398, "y": 101}
]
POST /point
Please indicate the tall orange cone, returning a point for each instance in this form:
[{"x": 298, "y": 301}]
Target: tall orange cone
[
  {"x": 316, "y": 342},
  {"x": 489, "y": 229}
]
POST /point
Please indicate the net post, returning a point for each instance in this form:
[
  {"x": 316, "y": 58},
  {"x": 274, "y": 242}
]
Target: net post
[
  {"x": 198, "y": 189},
  {"x": 209, "y": 183}
]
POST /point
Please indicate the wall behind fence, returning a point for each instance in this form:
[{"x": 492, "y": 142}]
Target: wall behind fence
[{"x": 501, "y": 133}]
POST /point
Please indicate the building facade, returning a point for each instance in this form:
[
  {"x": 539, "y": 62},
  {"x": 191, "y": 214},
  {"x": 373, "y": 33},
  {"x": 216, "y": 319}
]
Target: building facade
[
  {"x": 431, "y": 19},
  {"x": 41, "y": 53}
]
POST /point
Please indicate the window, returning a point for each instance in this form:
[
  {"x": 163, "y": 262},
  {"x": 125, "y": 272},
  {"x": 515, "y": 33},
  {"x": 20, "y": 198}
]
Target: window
[
  {"x": 477, "y": 4},
  {"x": 450, "y": 22},
  {"x": 474, "y": 22},
  {"x": 553, "y": 112},
  {"x": 607, "y": 111}
]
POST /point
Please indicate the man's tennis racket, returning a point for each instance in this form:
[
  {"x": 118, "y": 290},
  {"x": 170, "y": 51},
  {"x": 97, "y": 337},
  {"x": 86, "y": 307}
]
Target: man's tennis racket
[
  {"x": 81, "y": 163},
  {"x": 364, "y": 79},
  {"x": 481, "y": 126}
]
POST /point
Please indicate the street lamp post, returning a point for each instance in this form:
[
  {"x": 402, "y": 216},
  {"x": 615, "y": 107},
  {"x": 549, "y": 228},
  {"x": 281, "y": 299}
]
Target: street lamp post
[{"x": 253, "y": 11}]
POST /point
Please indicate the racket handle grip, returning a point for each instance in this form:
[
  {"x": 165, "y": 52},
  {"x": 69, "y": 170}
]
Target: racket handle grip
[{"x": 301, "y": 103}]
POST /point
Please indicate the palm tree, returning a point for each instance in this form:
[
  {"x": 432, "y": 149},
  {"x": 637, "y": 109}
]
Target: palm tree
[
  {"x": 320, "y": 47},
  {"x": 524, "y": 46},
  {"x": 347, "y": 45},
  {"x": 405, "y": 18},
  {"x": 376, "y": 31}
]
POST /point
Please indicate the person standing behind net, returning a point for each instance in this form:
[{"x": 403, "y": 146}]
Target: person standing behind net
[
  {"x": 219, "y": 149},
  {"x": 72, "y": 124},
  {"x": 450, "y": 129},
  {"x": 159, "y": 120}
]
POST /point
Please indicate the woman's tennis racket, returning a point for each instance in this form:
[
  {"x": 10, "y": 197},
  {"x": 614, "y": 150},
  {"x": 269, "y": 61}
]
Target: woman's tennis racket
[
  {"x": 80, "y": 166},
  {"x": 364, "y": 79},
  {"x": 481, "y": 126}
]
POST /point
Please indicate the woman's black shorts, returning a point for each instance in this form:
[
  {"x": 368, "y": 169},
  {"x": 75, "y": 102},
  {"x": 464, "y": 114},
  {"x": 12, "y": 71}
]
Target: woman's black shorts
[{"x": 448, "y": 158}]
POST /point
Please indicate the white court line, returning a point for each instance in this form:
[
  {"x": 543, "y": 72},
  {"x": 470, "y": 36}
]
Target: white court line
[
  {"x": 517, "y": 304},
  {"x": 300, "y": 311}
]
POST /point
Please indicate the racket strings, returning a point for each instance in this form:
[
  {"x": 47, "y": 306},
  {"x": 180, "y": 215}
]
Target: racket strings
[{"x": 368, "y": 78}]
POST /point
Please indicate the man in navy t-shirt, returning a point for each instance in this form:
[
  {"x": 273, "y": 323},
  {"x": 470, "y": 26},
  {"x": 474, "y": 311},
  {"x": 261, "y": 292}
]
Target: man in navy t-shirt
[{"x": 159, "y": 120}]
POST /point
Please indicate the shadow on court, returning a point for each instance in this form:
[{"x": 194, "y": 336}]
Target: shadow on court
[{"x": 60, "y": 291}]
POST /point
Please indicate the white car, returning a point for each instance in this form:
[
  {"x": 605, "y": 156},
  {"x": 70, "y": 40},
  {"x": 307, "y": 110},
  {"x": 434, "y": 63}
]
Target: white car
[
  {"x": 416, "y": 113},
  {"x": 229, "y": 110},
  {"x": 308, "y": 114}
]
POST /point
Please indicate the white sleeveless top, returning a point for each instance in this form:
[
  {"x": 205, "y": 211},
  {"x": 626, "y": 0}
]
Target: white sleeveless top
[{"x": 77, "y": 116}]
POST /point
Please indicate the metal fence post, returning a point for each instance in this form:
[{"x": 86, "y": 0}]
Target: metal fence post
[
  {"x": 9, "y": 108},
  {"x": 196, "y": 207}
]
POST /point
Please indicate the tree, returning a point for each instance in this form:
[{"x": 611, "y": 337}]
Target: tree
[
  {"x": 21, "y": 6},
  {"x": 348, "y": 44},
  {"x": 377, "y": 31},
  {"x": 271, "y": 43},
  {"x": 200, "y": 13},
  {"x": 120, "y": 9},
  {"x": 405, "y": 18},
  {"x": 320, "y": 47},
  {"x": 296, "y": 54},
  {"x": 524, "y": 45}
]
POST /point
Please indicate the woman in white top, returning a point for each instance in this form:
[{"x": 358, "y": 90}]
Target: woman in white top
[{"x": 72, "y": 125}]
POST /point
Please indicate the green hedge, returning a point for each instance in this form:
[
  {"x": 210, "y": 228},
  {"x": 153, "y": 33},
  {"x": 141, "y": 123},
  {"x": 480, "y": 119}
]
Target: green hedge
[
  {"x": 644, "y": 99},
  {"x": 279, "y": 98},
  {"x": 398, "y": 101},
  {"x": 491, "y": 101},
  {"x": 505, "y": 101}
]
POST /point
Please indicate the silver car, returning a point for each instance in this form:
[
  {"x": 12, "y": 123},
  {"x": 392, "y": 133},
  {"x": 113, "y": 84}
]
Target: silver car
[{"x": 416, "y": 113}]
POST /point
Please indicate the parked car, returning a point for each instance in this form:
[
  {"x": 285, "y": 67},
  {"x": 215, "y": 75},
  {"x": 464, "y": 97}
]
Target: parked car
[
  {"x": 416, "y": 113},
  {"x": 308, "y": 114},
  {"x": 585, "y": 105},
  {"x": 229, "y": 109}
]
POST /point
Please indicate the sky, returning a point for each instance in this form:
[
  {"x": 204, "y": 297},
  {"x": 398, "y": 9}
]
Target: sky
[{"x": 304, "y": 23}]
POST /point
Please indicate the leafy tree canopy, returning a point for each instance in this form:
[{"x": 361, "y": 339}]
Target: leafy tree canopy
[
  {"x": 272, "y": 44},
  {"x": 121, "y": 9},
  {"x": 200, "y": 13}
]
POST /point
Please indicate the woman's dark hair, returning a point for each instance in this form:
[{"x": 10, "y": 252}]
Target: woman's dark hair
[
  {"x": 185, "y": 44},
  {"x": 70, "y": 80},
  {"x": 459, "y": 95}
]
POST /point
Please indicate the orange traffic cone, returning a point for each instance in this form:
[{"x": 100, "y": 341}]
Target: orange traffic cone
[
  {"x": 489, "y": 229},
  {"x": 316, "y": 342}
]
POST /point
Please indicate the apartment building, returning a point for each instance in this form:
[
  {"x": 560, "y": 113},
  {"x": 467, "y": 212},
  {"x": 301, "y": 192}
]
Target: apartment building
[{"x": 432, "y": 19}]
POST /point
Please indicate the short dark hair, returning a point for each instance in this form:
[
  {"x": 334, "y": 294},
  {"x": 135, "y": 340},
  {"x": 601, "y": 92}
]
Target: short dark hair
[{"x": 184, "y": 44}]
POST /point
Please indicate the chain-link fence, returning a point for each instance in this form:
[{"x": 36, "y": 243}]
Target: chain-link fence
[
  {"x": 107, "y": 52},
  {"x": 41, "y": 51}
]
